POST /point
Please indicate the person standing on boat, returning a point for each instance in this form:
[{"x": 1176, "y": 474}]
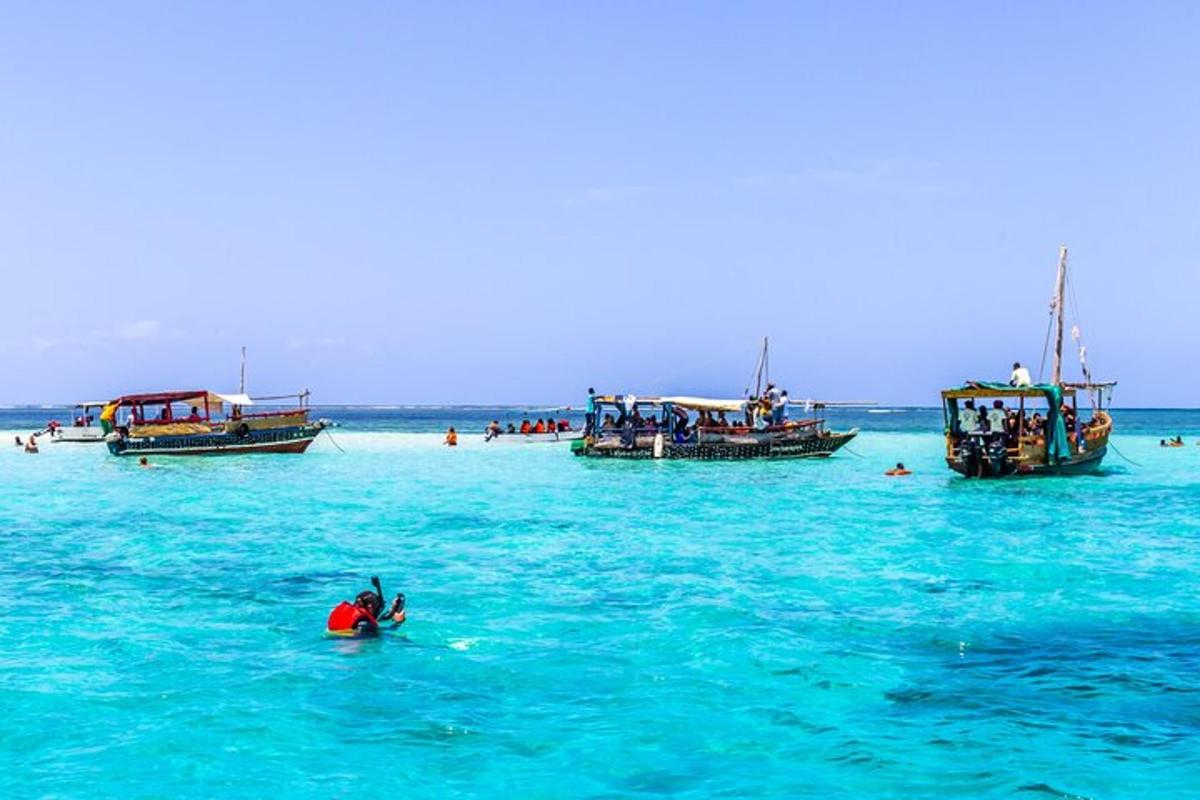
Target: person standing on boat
[
  {"x": 1020, "y": 376},
  {"x": 590, "y": 425},
  {"x": 779, "y": 414},
  {"x": 997, "y": 420},
  {"x": 968, "y": 418}
]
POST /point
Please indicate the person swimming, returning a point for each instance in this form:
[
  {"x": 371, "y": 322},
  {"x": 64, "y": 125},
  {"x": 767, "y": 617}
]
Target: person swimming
[
  {"x": 360, "y": 618},
  {"x": 898, "y": 470},
  {"x": 31, "y": 443}
]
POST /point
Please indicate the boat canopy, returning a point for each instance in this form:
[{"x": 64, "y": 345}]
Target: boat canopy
[
  {"x": 977, "y": 389},
  {"x": 196, "y": 397},
  {"x": 92, "y": 404},
  {"x": 689, "y": 403}
]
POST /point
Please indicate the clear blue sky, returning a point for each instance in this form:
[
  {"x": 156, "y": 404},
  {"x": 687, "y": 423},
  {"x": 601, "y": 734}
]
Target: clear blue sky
[{"x": 508, "y": 202}]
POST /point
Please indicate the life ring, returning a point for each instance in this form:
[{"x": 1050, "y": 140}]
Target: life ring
[
  {"x": 242, "y": 431},
  {"x": 896, "y": 473}
]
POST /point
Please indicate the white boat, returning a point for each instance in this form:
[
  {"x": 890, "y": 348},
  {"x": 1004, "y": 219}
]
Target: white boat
[
  {"x": 84, "y": 426},
  {"x": 534, "y": 438}
]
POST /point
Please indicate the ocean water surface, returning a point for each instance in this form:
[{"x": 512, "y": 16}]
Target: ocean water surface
[{"x": 588, "y": 629}]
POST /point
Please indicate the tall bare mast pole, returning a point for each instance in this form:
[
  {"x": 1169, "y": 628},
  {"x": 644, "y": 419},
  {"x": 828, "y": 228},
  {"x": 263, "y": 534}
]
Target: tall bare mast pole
[
  {"x": 763, "y": 364},
  {"x": 1056, "y": 376},
  {"x": 242, "y": 382}
]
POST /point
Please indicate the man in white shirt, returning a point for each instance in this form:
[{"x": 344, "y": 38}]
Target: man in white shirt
[
  {"x": 997, "y": 419},
  {"x": 968, "y": 418},
  {"x": 1020, "y": 376}
]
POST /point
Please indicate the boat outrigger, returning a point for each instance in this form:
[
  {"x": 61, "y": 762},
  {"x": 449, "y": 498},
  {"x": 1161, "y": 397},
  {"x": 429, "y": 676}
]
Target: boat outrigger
[
  {"x": 195, "y": 423},
  {"x": 996, "y": 440}
]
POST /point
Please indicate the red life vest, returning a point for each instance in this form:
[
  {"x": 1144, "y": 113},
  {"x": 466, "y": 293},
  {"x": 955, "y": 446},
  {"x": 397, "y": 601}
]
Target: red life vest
[{"x": 347, "y": 617}]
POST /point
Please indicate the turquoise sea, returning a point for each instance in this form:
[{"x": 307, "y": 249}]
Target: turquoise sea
[{"x": 586, "y": 629}]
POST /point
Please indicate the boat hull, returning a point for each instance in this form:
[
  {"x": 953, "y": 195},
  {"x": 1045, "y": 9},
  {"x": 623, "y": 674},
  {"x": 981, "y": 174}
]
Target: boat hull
[
  {"x": 78, "y": 435},
  {"x": 535, "y": 438},
  {"x": 1083, "y": 464},
  {"x": 807, "y": 447},
  {"x": 273, "y": 440}
]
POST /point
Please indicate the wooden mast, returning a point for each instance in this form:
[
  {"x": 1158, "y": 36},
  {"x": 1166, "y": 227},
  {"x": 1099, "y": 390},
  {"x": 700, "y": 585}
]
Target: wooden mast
[
  {"x": 242, "y": 382},
  {"x": 1056, "y": 376},
  {"x": 762, "y": 364}
]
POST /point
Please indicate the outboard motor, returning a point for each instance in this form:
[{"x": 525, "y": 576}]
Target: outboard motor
[
  {"x": 969, "y": 456},
  {"x": 997, "y": 454}
]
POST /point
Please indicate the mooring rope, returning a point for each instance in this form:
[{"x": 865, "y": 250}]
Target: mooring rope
[
  {"x": 332, "y": 440},
  {"x": 1122, "y": 455}
]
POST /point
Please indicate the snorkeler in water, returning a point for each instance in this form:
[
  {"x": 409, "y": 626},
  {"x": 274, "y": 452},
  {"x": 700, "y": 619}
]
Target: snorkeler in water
[{"x": 362, "y": 617}]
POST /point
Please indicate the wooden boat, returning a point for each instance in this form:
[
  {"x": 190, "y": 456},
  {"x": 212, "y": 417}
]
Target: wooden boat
[
  {"x": 84, "y": 428},
  {"x": 192, "y": 423},
  {"x": 1063, "y": 444},
  {"x": 660, "y": 436},
  {"x": 660, "y": 427}
]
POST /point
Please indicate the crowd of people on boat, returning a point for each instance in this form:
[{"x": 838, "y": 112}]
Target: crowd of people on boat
[
  {"x": 756, "y": 414},
  {"x": 1000, "y": 423}
]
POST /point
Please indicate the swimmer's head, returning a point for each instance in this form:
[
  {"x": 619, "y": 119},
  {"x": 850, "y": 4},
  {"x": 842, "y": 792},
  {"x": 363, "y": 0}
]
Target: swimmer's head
[{"x": 369, "y": 601}]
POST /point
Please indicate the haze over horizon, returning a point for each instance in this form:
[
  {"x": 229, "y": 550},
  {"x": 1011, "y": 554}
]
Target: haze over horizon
[{"x": 481, "y": 204}]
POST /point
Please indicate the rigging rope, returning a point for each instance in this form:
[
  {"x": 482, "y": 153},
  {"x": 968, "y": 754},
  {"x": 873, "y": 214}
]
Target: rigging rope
[{"x": 1046, "y": 344}]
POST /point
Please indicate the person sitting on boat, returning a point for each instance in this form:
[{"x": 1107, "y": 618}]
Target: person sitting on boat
[
  {"x": 451, "y": 439},
  {"x": 748, "y": 407},
  {"x": 679, "y": 433},
  {"x": 609, "y": 424},
  {"x": 195, "y": 415},
  {"x": 1068, "y": 415},
  {"x": 511, "y": 428},
  {"x": 1035, "y": 424},
  {"x": 1020, "y": 376},
  {"x": 721, "y": 421},
  {"x": 762, "y": 419},
  {"x": 628, "y": 434},
  {"x": 969, "y": 418},
  {"x": 526, "y": 427},
  {"x": 492, "y": 431},
  {"x": 563, "y": 425},
  {"x": 540, "y": 427}
]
